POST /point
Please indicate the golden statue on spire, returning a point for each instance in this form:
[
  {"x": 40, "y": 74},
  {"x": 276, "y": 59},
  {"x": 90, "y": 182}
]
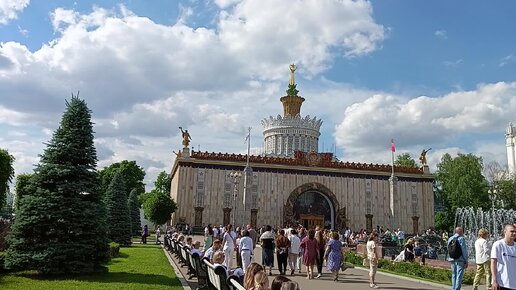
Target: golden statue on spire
[{"x": 292, "y": 70}]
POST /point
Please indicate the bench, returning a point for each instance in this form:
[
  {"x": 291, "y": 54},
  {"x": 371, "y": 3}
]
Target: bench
[
  {"x": 234, "y": 283},
  {"x": 217, "y": 276},
  {"x": 200, "y": 271}
]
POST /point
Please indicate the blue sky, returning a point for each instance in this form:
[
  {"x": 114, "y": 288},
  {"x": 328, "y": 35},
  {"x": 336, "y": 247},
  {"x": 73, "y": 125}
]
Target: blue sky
[{"x": 434, "y": 74}]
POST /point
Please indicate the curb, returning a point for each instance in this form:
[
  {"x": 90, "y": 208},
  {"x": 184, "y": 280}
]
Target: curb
[
  {"x": 180, "y": 276},
  {"x": 437, "y": 285}
]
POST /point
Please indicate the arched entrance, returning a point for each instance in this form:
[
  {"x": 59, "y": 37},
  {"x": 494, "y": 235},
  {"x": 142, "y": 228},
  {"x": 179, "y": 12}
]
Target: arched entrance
[{"x": 313, "y": 204}]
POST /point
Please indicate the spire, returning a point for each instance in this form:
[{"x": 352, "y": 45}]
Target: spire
[{"x": 292, "y": 102}]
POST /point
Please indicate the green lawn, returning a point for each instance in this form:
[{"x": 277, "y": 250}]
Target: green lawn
[{"x": 138, "y": 267}]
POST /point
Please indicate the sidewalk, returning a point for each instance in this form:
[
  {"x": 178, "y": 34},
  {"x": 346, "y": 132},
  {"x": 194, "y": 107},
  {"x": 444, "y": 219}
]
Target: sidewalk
[{"x": 351, "y": 278}]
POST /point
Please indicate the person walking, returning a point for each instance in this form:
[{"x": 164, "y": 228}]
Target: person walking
[
  {"x": 333, "y": 255},
  {"x": 228, "y": 245},
  {"x": 282, "y": 249},
  {"x": 372, "y": 255},
  {"x": 208, "y": 236},
  {"x": 295, "y": 243},
  {"x": 482, "y": 260},
  {"x": 458, "y": 252},
  {"x": 321, "y": 243},
  {"x": 145, "y": 234},
  {"x": 267, "y": 242},
  {"x": 245, "y": 244},
  {"x": 311, "y": 251},
  {"x": 503, "y": 260}
]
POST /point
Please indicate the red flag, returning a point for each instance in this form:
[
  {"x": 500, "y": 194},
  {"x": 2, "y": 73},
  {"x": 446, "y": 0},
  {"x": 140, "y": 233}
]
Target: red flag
[{"x": 393, "y": 149}]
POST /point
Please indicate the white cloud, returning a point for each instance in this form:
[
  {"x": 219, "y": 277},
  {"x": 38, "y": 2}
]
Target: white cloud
[
  {"x": 9, "y": 9},
  {"x": 441, "y": 33},
  {"x": 420, "y": 121},
  {"x": 507, "y": 60},
  {"x": 453, "y": 64},
  {"x": 223, "y": 4}
]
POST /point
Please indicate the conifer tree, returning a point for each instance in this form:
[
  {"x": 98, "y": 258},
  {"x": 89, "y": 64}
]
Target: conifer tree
[
  {"x": 60, "y": 226},
  {"x": 118, "y": 216},
  {"x": 134, "y": 210}
]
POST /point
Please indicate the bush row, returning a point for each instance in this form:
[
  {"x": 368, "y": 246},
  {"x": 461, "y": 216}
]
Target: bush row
[{"x": 438, "y": 275}]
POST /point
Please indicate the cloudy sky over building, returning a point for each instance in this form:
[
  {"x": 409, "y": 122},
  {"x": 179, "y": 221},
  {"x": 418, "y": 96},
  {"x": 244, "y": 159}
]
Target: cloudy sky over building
[{"x": 437, "y": 74}]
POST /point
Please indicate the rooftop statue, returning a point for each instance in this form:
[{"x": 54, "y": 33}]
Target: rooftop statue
[
  {"x": 422, "y": 157},
  {"x": 186, "y": 137}
]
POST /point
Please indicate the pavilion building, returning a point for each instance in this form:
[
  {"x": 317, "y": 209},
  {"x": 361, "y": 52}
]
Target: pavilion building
[{"x": 294, "y": 183}]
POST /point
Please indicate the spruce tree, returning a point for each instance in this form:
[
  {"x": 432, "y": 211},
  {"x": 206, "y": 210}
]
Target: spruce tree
[
  {"x": 118, "y": 216},
  {"x": 134, "y": 209},
  {"x": 60, "y": 225}
]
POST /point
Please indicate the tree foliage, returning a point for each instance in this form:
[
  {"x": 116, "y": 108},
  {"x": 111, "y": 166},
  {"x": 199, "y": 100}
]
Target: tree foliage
[
  {"x": 118, "y": 216},
  {"x": 405, "y": 160},
  {"x": 134, "y": 210},
  {"x": 22, "y": 187},
  {"x": 502, "y": 185},
  {"x": 157, "y": 204},
  {"x": 132, "y": 173},
  {"x": 60, "y": 224},
  {"x": 461, "y": 184},
  {"x": 6, "y": 175}
]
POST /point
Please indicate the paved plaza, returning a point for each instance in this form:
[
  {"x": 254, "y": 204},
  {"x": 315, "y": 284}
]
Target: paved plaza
[{"x": 350, "y": 279}]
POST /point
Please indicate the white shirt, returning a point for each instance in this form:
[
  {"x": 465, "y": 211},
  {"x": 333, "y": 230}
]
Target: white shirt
[
  {"x": 295, "y": 244},
  {"x": 228, "y": 240},
  {"x": 505, "y": 256},
  {"x": 371, "y": 250},
  {"x": 245, "y": 243},
  {"x": 215, "y": 232},
  {"x": 481, "y": 251}
]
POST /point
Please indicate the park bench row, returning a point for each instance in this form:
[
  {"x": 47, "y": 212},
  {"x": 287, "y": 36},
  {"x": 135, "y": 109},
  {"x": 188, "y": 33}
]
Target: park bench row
[{"x": 208, "y": 276}]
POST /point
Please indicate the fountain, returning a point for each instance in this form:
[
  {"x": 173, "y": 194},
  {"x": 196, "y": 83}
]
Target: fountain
[{"x": 492, "y": 220}]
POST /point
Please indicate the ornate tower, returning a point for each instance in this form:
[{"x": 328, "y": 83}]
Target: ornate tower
[
  {"x": 510, "y": 140},
  {"x": 285, "y": 135}
]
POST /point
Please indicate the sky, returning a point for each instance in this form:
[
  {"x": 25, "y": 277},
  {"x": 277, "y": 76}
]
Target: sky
[{"x": 428, "y": 74}]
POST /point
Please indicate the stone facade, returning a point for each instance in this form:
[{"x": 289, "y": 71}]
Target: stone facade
[{"x": 355, "y": 191}]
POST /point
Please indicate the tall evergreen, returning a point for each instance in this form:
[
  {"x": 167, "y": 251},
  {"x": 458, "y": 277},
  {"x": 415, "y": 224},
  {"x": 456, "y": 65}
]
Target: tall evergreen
[
  {"x": 134, "y": 209},
  {"x": 60, "y": 225},
  {"x": 118, "y": 216}
]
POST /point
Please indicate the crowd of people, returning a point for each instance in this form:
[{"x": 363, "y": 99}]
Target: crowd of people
[
  {"x": 497, "y": 263},
  {"x": 291, "y": 248}
]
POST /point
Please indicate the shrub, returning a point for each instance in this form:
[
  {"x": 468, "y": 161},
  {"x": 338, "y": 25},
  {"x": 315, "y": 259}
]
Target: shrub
[
  {"x": 114, "y": 249},
  {"x": 438, "y": 275}
]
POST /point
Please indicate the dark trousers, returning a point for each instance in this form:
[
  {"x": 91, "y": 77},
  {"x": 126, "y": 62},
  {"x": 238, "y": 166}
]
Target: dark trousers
[
  {"x": 319, "y": 259},
  {"x": 144, "y": 239},
  {"x": 282, "y": 262}
]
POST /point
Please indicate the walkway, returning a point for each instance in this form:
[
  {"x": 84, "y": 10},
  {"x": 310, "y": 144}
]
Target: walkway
[{"x": 350, "y": 279}]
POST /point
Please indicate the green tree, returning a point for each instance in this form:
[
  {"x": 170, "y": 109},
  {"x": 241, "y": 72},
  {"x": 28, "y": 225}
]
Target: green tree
[
  {"x": 6, "y": 175},
  {"x": 118, "y": 216},
  {"x": 22, "y": 187},
  {"x": 461, "y": 185},
  {"x": 60, "y": 226},
  {"x": 134, "y": 210},
  {"x": 157, "y": 204},
  {"x": 502, "y": 185},
  {"x": 405, "y": 160},
  {"x": 133, "y": 176}
]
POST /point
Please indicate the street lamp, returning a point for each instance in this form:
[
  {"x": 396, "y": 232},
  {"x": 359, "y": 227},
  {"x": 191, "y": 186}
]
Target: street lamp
[
  {"x": 492, "y": 196},
  {"x": 236, "y": 175}
]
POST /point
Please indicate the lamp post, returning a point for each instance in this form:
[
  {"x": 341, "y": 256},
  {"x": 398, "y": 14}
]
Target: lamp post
[
  {"x": 236, "y": 175},
  {"x": 492, "y": 196}
]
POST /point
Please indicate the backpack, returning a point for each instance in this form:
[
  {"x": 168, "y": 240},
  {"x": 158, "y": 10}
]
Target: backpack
[{"x": 454, "y": 249}]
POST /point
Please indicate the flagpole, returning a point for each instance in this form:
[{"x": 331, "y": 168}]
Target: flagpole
[{"x": 393, "y": 149}]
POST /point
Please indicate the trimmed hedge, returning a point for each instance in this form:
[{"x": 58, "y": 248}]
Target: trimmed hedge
[
  {"x": 114, "y": 249},
  {"x": 438, "y": 275}
]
